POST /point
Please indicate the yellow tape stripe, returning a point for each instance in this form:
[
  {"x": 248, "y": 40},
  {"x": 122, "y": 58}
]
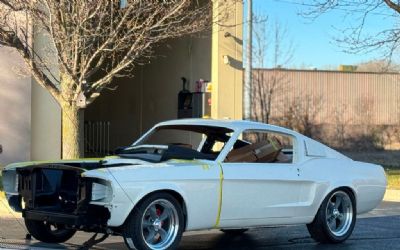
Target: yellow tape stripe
[
  {"x": 197, "y": 162},
  {"x": 273, "y": 143},
  {"x": 221, "y": 180}
]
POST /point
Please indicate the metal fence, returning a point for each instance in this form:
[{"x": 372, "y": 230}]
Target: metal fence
[
  {"x": 97, "y": 138},
  {"x": 354, "y": 96}
]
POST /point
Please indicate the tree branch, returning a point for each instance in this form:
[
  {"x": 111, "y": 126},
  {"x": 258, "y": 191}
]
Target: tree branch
[{"x": 392, "y": 5}]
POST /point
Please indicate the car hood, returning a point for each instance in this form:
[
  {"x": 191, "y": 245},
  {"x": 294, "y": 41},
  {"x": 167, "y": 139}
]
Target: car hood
[
  {"x": 125, "y": 170},
  {"x": 88, "y": 164},
  {"x": 67, "y": 162}
]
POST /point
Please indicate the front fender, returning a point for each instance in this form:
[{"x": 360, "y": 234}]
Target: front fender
[
  {"x": 197, "y": 184},
  {"x": 135, "y": 194}
]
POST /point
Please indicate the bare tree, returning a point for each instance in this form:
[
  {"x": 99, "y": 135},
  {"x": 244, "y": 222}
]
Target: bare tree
[
  {"x": 301, "y": 112},
  {"x": 268, "y": 87},
  {"x": 93, "y": 42},
  {"x": 341, "y": 124},
  {"x": 370, "y": 136},
  {"x": 365, "y": 109},
  {"x": 355, "y": 39},
  {"x": 268, "y": 90},
  {"x": 378, "y": 66}
]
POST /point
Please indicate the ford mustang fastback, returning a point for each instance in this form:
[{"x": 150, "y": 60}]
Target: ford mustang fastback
[{"x": 196, "y": 174}]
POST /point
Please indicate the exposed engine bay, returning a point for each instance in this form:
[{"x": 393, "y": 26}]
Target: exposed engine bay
[{"x": 58, "y": 194}]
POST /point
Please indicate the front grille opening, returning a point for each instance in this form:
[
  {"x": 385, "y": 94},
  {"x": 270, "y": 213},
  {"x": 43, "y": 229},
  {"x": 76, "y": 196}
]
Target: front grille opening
[
  {"x": 58, "y": 193},
  {"x": 56, "y": 190},
  {"x": 50, "y": 189}
]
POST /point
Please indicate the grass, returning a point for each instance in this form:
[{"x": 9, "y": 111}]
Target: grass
[{"x": 393, "y": 177}]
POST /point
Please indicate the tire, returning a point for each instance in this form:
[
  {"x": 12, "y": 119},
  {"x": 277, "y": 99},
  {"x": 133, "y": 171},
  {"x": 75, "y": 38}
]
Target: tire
[
  {"x": 49, "y": 233},
  {"x": 157, "y": 222},
  {"x": 335, "y": 219},
  {"x": 234, "y": 231}
]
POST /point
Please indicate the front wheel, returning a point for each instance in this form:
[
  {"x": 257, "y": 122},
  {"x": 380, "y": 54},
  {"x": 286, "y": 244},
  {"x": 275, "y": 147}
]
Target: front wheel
[
  {"x": 49, "y": 233},
  {"x": 335, "y": 219},
  {"x": 156, "y": 223}
]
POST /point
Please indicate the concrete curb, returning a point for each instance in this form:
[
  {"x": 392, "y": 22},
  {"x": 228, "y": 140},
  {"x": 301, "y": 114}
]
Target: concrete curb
[{"x": 392, "y": 195}]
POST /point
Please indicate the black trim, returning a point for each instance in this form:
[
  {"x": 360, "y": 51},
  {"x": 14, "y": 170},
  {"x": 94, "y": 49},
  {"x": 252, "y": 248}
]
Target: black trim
[{"x": 53, "y": 217}]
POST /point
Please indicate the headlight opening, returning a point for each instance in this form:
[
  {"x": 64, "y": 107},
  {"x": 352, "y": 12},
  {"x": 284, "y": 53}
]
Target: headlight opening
[{"x": 101, "y": 191}]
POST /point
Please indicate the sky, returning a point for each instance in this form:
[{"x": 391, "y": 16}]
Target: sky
[{"x": 313, "y": 41}]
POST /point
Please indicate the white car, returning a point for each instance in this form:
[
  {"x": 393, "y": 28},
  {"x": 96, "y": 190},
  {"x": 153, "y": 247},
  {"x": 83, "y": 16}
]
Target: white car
[{"x": 196, "y": 174}]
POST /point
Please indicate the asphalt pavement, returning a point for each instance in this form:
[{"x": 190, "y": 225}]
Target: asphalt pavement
[{"x": 379, "y": 229}]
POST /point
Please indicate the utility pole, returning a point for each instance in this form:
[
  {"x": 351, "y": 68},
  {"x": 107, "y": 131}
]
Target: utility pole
[{"x": 247, "y": 92}]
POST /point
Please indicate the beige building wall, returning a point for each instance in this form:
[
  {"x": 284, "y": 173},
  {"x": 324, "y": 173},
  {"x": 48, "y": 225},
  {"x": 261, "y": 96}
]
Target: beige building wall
[
  {"x": 151, "y": 96},
  {"x": 15, "y": 116},
  {"x": 46, "y": 113},
  {"x": 46, "y": 125},
  {"x": 227, "y": 64}
]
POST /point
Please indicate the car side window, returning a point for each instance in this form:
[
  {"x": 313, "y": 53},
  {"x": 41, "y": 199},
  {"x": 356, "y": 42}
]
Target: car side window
[{"x": 256, "y": 146}]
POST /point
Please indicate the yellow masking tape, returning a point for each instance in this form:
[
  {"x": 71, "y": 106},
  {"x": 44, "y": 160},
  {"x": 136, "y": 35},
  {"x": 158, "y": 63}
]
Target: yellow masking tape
[
  {"x": 202, "y": 164},
  {"x": 273, "y": 144},
  {"x": 221, "y": 180}
]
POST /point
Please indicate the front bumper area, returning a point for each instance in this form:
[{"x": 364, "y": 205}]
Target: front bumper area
[
  {"x": 57, "y": 194},
  {"x": 57, "y": 218},
  {"x": 95, "y": 220}
]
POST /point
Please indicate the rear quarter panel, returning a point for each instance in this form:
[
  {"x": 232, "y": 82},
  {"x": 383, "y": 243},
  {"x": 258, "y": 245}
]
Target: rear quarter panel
[
  {"x": 321, "y": 176},
  {"x": 370, "y": 186}
]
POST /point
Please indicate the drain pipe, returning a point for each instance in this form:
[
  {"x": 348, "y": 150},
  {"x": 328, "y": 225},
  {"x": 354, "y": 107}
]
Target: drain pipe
[{"x": 247, "y": 91}]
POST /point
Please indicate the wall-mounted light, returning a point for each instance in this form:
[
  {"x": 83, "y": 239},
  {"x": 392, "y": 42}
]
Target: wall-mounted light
[{"x": 227, "y": 60}]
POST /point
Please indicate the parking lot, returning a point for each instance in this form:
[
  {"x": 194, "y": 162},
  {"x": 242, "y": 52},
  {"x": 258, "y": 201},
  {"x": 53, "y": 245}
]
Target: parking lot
[{"x": 379, "y": 229}]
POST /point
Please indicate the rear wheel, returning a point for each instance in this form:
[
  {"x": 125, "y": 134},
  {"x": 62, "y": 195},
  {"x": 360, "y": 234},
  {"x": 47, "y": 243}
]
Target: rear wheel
[
  {"x": 49, "y": 233},
  {"x": 335, "y": 219},
  {"x": 156, "y": 223}
]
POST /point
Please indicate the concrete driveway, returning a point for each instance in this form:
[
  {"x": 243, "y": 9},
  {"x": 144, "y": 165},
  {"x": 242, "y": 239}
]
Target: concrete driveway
[{"x": 379, "y": 229}]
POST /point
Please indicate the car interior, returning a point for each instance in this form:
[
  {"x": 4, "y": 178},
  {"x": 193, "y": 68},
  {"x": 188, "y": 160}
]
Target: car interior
[
  {"x": 267, "y": 151},
  {"x": 262, "y": 147}
]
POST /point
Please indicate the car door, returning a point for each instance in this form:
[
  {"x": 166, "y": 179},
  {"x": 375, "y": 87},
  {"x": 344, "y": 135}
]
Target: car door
[{"x": 258, "y": 193}]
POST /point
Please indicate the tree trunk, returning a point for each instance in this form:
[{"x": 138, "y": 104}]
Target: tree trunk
[{"x": 72, "y": 131}]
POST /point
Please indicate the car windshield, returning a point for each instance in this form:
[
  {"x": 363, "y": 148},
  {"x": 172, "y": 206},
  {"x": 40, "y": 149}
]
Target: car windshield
[{"x": 179, "y": 142}]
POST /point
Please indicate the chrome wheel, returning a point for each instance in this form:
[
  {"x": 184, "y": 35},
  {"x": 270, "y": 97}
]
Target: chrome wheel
[
  {"x": 160, "y": 224},
  {"x": 339, "y": 213}
]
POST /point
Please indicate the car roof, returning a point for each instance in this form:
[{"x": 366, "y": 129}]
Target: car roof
[{"x": 227, "y": 123}]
